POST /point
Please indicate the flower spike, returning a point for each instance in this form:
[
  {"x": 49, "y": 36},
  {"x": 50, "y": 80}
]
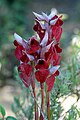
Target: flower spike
[{"x": 40, "y": 55}]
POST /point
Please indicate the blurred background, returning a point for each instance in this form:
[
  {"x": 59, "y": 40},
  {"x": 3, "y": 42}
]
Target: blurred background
[{"x": 16, "y": 16}]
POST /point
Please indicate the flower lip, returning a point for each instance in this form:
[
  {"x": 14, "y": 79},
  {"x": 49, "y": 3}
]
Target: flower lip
[
  {"x": 33, "y": 42},
  {"x": 41, "y": 75},
  {"x": 19, "y": 52},
  {"x": 42, "y": 64},
  {"x": 16, "y": 43},
  {"x": 58, "y": 49},
  {"x": 25, "y": 68},
  {"x": 38, "y": 27},
  {"x": 24, "y": 58},
  {"x": 33, "y": 45}
]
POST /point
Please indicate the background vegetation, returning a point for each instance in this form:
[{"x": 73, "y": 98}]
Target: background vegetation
[{"x": 16, "y": 16}]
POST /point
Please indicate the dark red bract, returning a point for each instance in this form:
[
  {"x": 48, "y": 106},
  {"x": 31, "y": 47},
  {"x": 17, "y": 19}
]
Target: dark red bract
[
  {"x": 42, "y": 64},
  {"x": 39, "y": 30},
  {"x": 33, "y": 46},
  {"x": 25, "y": 71},
  {"x": 41, "y": 75}
]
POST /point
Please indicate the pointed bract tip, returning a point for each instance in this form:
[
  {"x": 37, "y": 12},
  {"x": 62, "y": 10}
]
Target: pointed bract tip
[
  {"x": 38, "y": 16},
  {"x": 54, "y": 10},
  {"x": 17, "y": 38},
  {"x": 45, "y": 16},
  {"x": 44, "y": 40},
  {"x": 54, "y": 69},
  {"x": 33, "y": 12}
]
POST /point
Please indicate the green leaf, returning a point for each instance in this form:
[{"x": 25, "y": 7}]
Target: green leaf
[
  {"x": 2, "y": 110},
  {"x": 51, "y": 114},
  {"x": 10, "y": 118},
  {"x": 16, "y": 99}
]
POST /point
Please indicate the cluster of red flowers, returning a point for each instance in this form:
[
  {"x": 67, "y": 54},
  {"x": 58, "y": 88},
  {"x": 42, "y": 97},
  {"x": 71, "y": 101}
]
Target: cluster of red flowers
[{"x": 40, "y": 56}]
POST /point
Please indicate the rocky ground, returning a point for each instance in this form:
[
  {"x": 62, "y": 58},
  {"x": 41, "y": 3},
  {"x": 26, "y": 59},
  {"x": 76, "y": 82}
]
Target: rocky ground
[{"x": 6, "y": 98}]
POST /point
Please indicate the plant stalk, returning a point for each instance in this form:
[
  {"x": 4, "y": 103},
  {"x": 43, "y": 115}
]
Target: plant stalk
[
  {"x": 42, "y": 102},
  {"x": 34, "y": 92},
  {"x": 35, "y": 105},
  {"x": 48, "y": 105}
]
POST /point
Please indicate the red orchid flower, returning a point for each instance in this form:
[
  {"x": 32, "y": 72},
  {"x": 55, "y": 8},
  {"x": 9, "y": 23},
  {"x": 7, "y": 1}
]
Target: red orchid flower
[
  {"x": 56, "y": 32},
  {"x": 40, "y": 55},
  {"x": 41, "y": 75},
  {"x": 33, "y": 45},
  {"x": 50, "y": 82},
  {"x": 25, "y": 71},
  {"x": 42, "y": 64}
]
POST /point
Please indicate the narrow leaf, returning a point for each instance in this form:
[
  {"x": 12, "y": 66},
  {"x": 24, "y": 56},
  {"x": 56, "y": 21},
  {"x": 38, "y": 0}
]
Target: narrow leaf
[
  {"x": 10, "y": 118},
  {"x": 2, "y": 110}
]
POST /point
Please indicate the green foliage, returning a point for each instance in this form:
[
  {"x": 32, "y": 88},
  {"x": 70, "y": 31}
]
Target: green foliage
[
  {"x": 23, "y": 109},
  {"x": 73, "y": 113},
  {"x": 10, "y": 118},
  {"x": 2, "y": 110},
  {"x": 3, "y": 113},
  {"x": 13, "y": 17},
  {"x": 56, "y": 108},
  {"x": 66, "y": 84}
]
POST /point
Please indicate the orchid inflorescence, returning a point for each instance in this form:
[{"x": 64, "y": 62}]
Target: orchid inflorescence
[{"x": 40, "y": 56}]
